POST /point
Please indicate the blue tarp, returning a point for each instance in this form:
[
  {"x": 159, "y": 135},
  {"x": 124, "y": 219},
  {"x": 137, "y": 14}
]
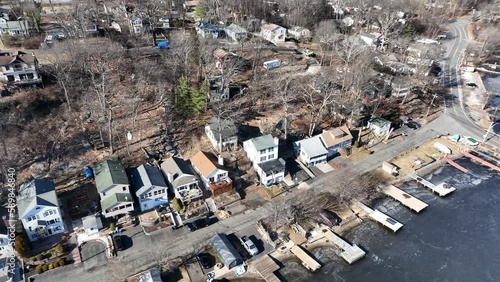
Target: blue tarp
[
  {"x": 164, "y": 45},
  {"x": 88, "y": 172}
]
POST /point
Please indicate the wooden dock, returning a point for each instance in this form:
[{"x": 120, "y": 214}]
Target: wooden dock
[
  {"x": 442, "y": 189},
  {"x": 404, "y": 198},
  {"x": 266, "y": 267},
  {"x": 479, "y": 160},
  {"x": 307, "y": 261},
  {"x": 381, "y": 217},
  {"x": 350, "y": 253}
]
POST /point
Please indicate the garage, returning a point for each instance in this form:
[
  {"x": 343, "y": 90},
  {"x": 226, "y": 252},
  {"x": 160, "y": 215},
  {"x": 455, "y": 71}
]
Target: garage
[{"x": 226, "y": 251}]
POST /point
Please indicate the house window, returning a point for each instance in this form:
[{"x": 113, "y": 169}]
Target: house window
[
  {"x": 271, "y": 157},
  {"x": 262, "y": 158},
  {"x": 262, "y": 151},
  {"x": 270, "y": 150},
  {"x": 156, "y": 193},
  {"x": 124, "y": 188},
  {"x": 103, "y": 194}
]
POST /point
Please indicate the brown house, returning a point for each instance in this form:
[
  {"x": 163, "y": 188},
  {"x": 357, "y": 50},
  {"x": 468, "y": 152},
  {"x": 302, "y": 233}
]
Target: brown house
[{"x": 211, "y": 172}]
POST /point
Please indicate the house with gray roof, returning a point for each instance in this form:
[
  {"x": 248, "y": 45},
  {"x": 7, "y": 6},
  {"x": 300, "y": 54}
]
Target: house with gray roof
[
  {"x": 38, "y": 209},
  {"x": 379, "y": 126},
  {"x": 112, "y": 184},
  {"x": 222, "y": 133},
  {"x": 150, "y": 187},
  {"x": 92, "y": 224},
  {"x": 236, "y": 32},
  {"x": 263, "y": 152},
  {"x": 311, "y": 151},
  {"x": 14, "y": 28},
  {"x": 183, "y": 181}
]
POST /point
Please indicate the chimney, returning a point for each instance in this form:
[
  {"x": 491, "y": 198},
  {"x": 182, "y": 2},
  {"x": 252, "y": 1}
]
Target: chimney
[
  {"x": 276, "y": 141},
  {"x": 220, "y": 160}
]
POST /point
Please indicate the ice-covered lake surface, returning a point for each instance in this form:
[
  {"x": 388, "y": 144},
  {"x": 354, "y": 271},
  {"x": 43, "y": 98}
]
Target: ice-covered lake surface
[{"x": 456, "y": 238}]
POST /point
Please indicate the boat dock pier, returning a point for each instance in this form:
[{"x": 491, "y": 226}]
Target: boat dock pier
[
  {"x": 266, "y": 267},
  {"x": 404, "y": 198},
  {"x": 479, "y": 160},
  {"x": 307, "y": 261},
  {"x": 442, "y": 189},
  {"x": 381, "y": 217},
  {"x": 349, "y": 253}
]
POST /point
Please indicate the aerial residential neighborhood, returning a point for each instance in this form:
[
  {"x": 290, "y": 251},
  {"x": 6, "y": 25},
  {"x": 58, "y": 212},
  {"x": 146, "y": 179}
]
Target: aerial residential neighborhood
[{"x": 217, "y": 140}]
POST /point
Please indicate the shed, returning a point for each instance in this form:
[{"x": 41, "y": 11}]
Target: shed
[{"x": 226, "y": 251}]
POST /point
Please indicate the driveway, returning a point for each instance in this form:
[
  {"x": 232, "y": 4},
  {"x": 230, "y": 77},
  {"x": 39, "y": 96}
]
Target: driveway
[{"x": 93, "y": 255}]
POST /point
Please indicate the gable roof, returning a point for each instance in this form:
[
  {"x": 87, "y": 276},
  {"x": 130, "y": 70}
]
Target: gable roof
[
  {"x": 110, "y": 172},
  {"x": 203, "y": 163},
  {"x": 39, "y": 192},
  {"x": 380, "y": 122},
  {"x": 146, "y": 176},
  {"x": 116, "y": 198},
  {"x": 236, "y": 28},
  {"x": 313, "y": 146},
  {"x": 263, "y": 142},
  {"x": 336, "y": 136},
  {"x": 270, "y": 27},
  {"x": 226, "y": 128},
  {"x": 180, "y": 171}
]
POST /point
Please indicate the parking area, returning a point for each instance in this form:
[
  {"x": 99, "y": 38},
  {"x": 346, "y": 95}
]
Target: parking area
[
  {"x": 251, "y": 233},
  {"x": 93, "y": 254}
]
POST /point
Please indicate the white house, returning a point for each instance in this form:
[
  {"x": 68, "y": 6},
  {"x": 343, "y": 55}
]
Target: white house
[
  {"x": 263, "y": 152},
  {"x": 211, "y": 174},
  {"x": 112, "y": 184},
  {"x": 19, "y": 68},
  {"x": 182, "y": 179},
  {"x": 336, "y": 139},
  {"x": 300, "y": 33},
  {"x": 38, "y": 209},
  {"x": 221, "y": 133},
  {"x": 236, "y": 32},
  {"x": 92, "y": 224},
  {"x": 14, "y": 28},
  {"x": 311, "y": 151},
  {"x": 135, "y": 25},
  {"x": 380, "y": 126},
  {"x": 273, "y": 32},
  {"x": 149, "y": 187}
]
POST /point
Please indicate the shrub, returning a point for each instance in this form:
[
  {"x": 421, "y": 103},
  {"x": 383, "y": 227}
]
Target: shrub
[
  {"x": 59, "y": 249},
  {"x": 39, "y": 257},
  {"x": 38, "y": 269},
  {"x": 160, "y": 219},
  {"x": 44, "y": 267},
  {"x": 34, "y": 259},
  {"x": 22, "y": 245},
  {"x": 112, "y": 227},
  {"x": 48, "y": 255},
  {"x": 178, "y": 206},
  {"x": 51, "y": 266},
  {"x": 60, "y": 261}
]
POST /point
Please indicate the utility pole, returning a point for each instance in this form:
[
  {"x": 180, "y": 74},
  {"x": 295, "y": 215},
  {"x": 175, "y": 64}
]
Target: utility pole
[
  {"x": 432, "y": 102},
  {"x": 491, "y": 126}
]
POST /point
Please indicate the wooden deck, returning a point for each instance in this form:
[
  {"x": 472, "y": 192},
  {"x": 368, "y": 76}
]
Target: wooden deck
[
  {"x": 350, "y": 253},
  {"x": 381, "y": 217},
  {"x": 404, "y": 198},
  {"x": 309, "y": 262},
  {"x": 266, "y": 267}
]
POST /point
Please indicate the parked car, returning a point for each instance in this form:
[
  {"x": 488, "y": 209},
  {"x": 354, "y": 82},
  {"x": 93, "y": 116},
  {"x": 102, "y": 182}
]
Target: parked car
[
  {"x": 413, "y": 125},
  {"x": 198, "y": 224},
  {"x": 249, "y": 245},
  {"x": 118, "y": 242},
  {"x": 471, "y": 84},
  {"x": 206, "y": 260},
  {"x": 328, "y": 218}
]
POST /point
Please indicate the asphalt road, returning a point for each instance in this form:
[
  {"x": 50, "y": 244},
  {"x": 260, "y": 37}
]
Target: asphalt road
[
  {"x": 93, "y": 255},
  {"x": 460, "y": 121}
]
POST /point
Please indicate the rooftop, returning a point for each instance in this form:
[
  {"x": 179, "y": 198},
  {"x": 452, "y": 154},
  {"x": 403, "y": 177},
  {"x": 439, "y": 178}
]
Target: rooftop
[
  {"x": 380, "y": 122},
  {"x": 146, "y": 176},
  {"x": 263, "y": 142},
  {"x": 38, "y": 192},
  {"x": 236, "y": 28},
  {"x": 115, "y": 199},
  {"x": 336, "y": 136},
  {"x": 312, "y": 146},
  {"x": 203, "y": 163},
  {"x": 92, "y": 221},
  {"x": 226, "y": 128},
  {"x": 270, "y": 27},
  {"x": 180, "y": 170},
  {"x": 110, "y": 172},
  {"x": 273, "y": 166}
]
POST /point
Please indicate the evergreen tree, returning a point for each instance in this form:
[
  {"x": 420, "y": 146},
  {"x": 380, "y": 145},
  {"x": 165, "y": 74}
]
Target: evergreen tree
[
  {"x": 199, "y": 99},
  {"x": 183, "y": 99}
]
